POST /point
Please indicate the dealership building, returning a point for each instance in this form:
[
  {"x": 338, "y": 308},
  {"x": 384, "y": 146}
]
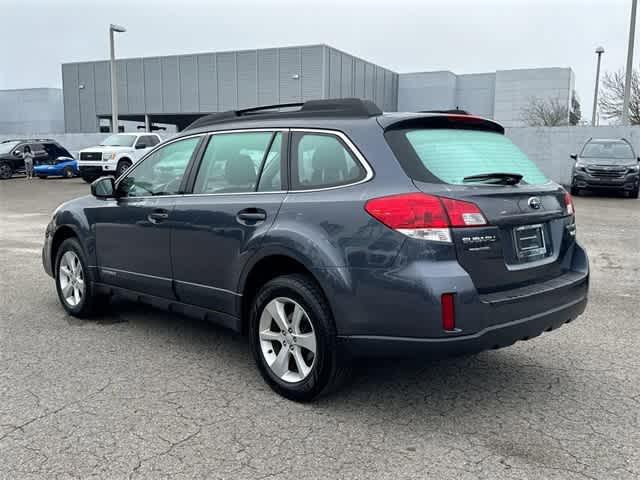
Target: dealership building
[{"x": 178, "y": 89}]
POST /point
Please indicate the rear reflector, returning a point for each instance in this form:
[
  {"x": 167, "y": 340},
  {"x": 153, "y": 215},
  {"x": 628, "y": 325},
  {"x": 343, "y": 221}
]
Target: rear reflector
[
  {"x": 448, "y": 312},
  {"x": 423, "y": 216}
]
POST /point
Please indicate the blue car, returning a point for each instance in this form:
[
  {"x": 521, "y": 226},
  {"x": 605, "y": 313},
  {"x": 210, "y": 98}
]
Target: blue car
[{"x": 61, "y": 167}]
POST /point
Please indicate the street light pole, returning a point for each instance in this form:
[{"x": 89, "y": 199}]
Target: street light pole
[
  {"x": 114, "y": 77},
  {"x": 627, "y": 81},
  {"x": 599, "y": 51}
]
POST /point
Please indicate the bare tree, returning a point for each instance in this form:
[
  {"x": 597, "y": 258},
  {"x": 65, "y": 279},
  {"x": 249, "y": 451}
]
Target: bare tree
[
  {"x": 550, "y": 112},
  {"x": 611, "y": 100},
  {"x": 576, "y": 112}
]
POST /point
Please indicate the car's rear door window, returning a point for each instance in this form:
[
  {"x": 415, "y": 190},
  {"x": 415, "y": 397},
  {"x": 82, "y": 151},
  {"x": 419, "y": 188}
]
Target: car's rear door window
[{"x": 450, "y": 155}]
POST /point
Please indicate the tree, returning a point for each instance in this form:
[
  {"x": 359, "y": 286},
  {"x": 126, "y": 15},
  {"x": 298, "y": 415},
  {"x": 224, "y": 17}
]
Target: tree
[
  {"x": 612, "y": 97},
  {"x": 550, "y": 112},
  {"x": 576, "y": 113}
]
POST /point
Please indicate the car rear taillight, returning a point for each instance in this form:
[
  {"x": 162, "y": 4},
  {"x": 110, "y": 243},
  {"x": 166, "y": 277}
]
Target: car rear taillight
[
  {"x": 568, "y": 203},
  {"x": 423, "y": 216}
]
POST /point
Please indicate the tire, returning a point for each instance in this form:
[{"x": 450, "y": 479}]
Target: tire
[
  {"x": 42, "y": 177},
  {"x": 327, "y": 368},
  {"x": 635, "y": 193},
  {"x": 70, "y": 258},
  {"x": 5, "y": 171},
  {"x": 123, "y": 165},
  {"x": 575, "y": 192},
  {"x": 67, "y": 172}
]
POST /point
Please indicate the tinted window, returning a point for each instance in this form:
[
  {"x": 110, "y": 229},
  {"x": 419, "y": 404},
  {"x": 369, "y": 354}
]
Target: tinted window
[
  {"x": 450, "y": 155},
  {"x": 321, "y": 161},
  {"x": 7, "y": 147},
  {"x": 232, "y": 162},
  {"x": 617, "y": 150},
  {"x": 148, "y": 140},
  {"x": 161, "y": 172}
]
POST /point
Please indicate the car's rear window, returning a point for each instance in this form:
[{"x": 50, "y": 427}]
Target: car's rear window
[{"x": 450, "y": 155}]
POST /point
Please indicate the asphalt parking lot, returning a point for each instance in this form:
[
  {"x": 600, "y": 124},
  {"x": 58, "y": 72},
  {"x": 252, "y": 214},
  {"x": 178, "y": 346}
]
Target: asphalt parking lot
[{"x": 138, "y": 393}]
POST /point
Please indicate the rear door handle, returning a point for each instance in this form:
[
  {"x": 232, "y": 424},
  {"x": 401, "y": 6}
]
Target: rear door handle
[
  {"x": 159, "y": 215},
  {"x": 251, "y": 215}
]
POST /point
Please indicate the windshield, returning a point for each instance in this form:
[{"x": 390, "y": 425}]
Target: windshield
[
  {"x": 8, "y": 146},
  {"x": 450, "y": 155},
  {"x": 610, "y": 150},
  {"x": 119, "y": 141}
]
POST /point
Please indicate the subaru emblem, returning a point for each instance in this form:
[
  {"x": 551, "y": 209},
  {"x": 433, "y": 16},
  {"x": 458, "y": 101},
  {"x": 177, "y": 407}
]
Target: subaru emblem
[{"x": 534, "y": 202}]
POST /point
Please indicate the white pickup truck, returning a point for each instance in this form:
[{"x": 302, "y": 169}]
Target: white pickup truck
[{"x": 115, "y": 154}]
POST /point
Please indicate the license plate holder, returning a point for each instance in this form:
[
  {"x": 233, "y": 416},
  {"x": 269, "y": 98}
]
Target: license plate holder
[{"x": 530, "y": 241}]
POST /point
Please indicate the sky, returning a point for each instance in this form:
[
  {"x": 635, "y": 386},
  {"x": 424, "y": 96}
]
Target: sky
[{"x": 464, "y": 36}]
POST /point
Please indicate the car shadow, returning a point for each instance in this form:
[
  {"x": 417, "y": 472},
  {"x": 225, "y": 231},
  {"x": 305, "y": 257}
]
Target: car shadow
[{"x": 438, "y": 389}]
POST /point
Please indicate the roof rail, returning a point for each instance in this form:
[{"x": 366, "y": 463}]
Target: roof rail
[
  {"x": 454, "y": 111},
  {"x": 342, "y": 107}
]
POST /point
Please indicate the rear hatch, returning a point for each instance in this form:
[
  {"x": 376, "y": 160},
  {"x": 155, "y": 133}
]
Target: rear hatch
[
  {"x": 528, "y": 225},
  {"x": 520, "y": 244}
]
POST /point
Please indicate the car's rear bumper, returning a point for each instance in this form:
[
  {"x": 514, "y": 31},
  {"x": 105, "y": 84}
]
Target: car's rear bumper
[
  {"x": 46, "y": 250},
  {"x": 495, "y": 336}
]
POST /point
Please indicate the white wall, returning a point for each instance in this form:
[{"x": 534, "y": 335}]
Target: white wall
[
  {"x": 426, "y": 91},
  {"x": 550, "y": 147},
  {"x": 31, "y": 109},
  {"x": 516, "y": 88}
]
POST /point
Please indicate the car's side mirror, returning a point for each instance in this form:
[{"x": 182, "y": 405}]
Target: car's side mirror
[
  {"x": 638, "y": 159},
  {"x": 104, "y": 187},
  {"x": 574, "y": 156},
  {"x": 17, "y": 153},
  {"x": 140, "y": 146}
]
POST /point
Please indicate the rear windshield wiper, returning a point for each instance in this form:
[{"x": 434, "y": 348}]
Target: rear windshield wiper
[{"x": 496, "y": 178}]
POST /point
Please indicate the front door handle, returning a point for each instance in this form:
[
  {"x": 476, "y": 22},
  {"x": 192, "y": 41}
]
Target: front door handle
[
  {"x": 251, "y": 215},
  {"x": 159, "y": 215}
]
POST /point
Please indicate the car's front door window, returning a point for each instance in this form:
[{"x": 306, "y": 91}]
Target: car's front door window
[{"x": 161, "y": 172}]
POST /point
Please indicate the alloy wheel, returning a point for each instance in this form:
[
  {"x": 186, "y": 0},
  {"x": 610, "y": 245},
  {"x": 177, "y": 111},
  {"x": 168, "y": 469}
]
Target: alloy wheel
[
  {"x": 287, "y": 340},
  {"x": 71, "y": 278}
]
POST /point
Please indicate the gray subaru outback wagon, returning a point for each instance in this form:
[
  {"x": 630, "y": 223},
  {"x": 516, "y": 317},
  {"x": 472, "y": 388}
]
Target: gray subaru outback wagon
[{"x": 329, "y": 230}]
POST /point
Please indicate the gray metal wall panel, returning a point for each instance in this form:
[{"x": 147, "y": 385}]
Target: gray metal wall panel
[
  {"x": 247, "y": 79},
  {"x": 170, "y": 84},
  {"x": 268, "y": 77},
  {"x": 188, "y": 66},
  {"x": 346, "y": 76},
  {"x": 369, "y": 81},
  {"x": 290, "y": 66},
  {"x": 121, "y": 75},
  {"x": 388, "y": 91},
  {"x": 153, "y": 85},
  {"x": 227, "y": 81},
  {"x": 135, "y": 85},
  {"x": 207, "y": 83},
  {"x": 358, "y": 79},
  {"x": 71, "y": 98},
  {"x": 88, "y": 119},
  {"x": 379, "y": 91},
  {"x": 335, "y": 74},
  {"x": 102, "y": 77},
  {"x": 311, "y": 73}
]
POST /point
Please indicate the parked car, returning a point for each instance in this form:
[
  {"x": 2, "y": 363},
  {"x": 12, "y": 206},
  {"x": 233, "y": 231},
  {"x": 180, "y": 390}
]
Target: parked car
[
  {"x": 358, "y": 233},
  {"x": 115, "y": 154},
  {"x": 60, "y": 167},
  {"x": 45, "y": 151},
  {"x": 606, "y": 164}
]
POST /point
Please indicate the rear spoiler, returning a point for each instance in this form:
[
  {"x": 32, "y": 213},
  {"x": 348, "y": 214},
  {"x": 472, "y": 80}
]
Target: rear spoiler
[{"x": 441, "y": 120}]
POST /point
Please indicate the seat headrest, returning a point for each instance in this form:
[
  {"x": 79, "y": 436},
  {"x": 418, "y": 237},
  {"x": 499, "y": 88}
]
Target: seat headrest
[{"x": 240, "y": 171}]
